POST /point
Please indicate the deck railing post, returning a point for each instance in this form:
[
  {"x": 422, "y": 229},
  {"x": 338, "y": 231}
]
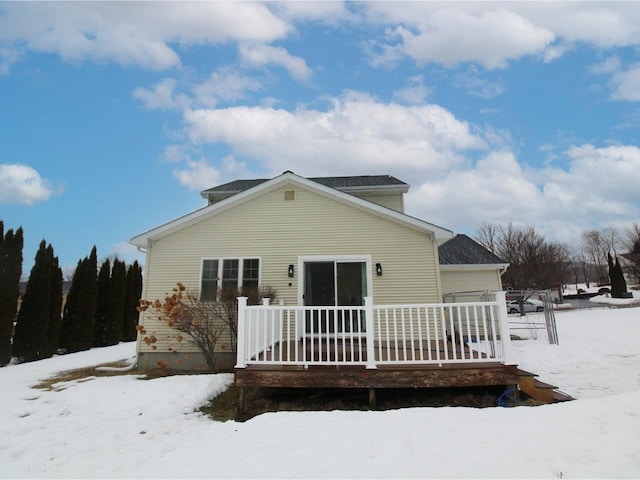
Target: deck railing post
[
  {"x": 240, "y": 338},
  {"x": 369, "y": 332},
  {"x": 503, "y": 321}
]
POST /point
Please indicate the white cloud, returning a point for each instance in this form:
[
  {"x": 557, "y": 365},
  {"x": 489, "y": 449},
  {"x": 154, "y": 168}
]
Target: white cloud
[
  {"x": 607, "y": 67},
  {"x": 494, "y": 188},
  {"x": 599, "y": 24},
  {"x": 476, "y": 85},
  {"x": 325, "y": 12},
  {"x": 451, "y": 35},
  {"x": 624, "y": 81},
  {"x": 553, "y": 52},
  {"x": 261, "y": 55},
  {"x": 22, "y": 184},
  {"x": 493, "y": 34},
  {"x": 612, "y": 174},
  {"x": 200, "y": 174},
  {"x": 197, "y": 175},
  {"x": 415, "y": 92},
  {"x": 134, "y": 33},
  {"x": 161, "y": 95},
  {"x": 626, "y": 84},
  {"x": 355, "y": 134},
  {"x": 225, "y": 84},
  {"x": 598, "y": 187},
  {"x": 7, "y": 58},
  {"x": 150, "y": 34},
  {"x": 176, "y": 153}
]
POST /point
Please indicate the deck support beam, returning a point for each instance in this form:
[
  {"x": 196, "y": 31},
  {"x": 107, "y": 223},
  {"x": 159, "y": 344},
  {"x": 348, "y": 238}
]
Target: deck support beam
[
  {"x": 372, "y": 398},
  {"x": 425, "y": 376},
  {"x": 240, "y": 399}
]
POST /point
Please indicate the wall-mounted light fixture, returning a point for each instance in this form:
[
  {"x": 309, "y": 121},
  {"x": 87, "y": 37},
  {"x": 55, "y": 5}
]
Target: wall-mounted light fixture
[
  {"x": 290, "y": 271},
  {"x": 379, "y": 269}
]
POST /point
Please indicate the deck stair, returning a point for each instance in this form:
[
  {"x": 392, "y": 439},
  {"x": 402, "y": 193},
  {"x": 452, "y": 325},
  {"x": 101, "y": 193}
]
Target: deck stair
[{"x": 539, "y": 390}]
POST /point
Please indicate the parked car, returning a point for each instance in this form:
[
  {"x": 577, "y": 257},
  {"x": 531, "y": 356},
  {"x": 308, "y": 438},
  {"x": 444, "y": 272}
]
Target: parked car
[{"x": 513, "y": 306}]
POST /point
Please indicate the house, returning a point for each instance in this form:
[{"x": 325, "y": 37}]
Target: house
[{"x": 333, "y": 248}]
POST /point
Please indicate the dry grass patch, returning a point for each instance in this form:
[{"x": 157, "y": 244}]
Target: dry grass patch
[
  {"x": 86, "y": 374},
  {"x": 82, "y": 374}
]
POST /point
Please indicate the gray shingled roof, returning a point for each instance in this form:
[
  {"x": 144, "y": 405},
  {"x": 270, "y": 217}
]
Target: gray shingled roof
[
  {"x": 360, "y": 181},
  {"x": 463, "y": 250},
  {"x": 236, "y": 186},
  {"x": 363, "y": 181}
]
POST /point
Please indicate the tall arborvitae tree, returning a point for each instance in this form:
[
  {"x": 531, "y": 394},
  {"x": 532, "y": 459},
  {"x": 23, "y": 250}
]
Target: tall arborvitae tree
[
  {"x": 103, "y": 306},
  {"x": 30, "y": 341},
  {"x": 70, "y": 319},
  {"x": 55, "y": 306},
  {"x": 117, "y": 290},
  {"x": 80, "y": 307},
  {"x": 622, "y": 283},
  {"x": 616, "y": 276},
  {"x": 10, "y": 270},
  {"x": 131, "y": 303}
]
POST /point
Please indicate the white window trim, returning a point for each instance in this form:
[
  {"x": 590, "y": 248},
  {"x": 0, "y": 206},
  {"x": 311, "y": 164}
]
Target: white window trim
[{"x": 240, "y": 269}]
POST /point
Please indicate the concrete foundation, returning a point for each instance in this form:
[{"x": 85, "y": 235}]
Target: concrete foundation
[{"x": 183, "y": 361}]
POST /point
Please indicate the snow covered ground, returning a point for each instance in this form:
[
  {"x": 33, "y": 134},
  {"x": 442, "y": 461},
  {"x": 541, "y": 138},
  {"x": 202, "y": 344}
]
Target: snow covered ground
[{"x": 122, "y": 426}]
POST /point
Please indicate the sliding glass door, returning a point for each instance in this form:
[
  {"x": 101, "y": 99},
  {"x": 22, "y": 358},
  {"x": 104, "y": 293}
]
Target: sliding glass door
[{"x": 335, "y": 283}]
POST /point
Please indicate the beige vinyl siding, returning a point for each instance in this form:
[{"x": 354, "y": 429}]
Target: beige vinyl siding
[
  {"x": 454, "y": 281},
  {"x": 278, "y": 232},
  {"x": 471, "y": 280},
  {"x": 392, "y": 201}
]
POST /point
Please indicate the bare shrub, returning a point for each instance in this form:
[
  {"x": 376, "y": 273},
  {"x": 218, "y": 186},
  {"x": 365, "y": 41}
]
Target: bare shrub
[
  {"x": 183, "y": 311},
  {"x": 201, "y": 322},
  {"x": 229, "y": 305}
]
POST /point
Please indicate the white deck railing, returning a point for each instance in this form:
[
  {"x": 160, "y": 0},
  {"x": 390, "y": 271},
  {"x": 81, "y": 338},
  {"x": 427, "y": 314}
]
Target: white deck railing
[{"x": 372, "y": 335}]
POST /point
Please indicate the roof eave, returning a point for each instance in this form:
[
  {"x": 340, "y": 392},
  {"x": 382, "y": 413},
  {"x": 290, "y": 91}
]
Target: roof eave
[
  {"x": 390, "y": 189},
  {"x": 474, "y": 266}
]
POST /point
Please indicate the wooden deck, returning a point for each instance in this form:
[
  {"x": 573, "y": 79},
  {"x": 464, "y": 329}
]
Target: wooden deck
[
  {"x": 482, "y": 371},
  {"x": 393, "y": 346}
]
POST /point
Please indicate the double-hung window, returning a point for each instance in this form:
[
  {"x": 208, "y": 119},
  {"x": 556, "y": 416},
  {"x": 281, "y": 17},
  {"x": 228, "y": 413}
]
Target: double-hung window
[
  {"x": 230, "y": 274},
  {"x": 227, "y": 273},
  {"x": 250, "y": 272},
  {"x": 209, "y": 288}
]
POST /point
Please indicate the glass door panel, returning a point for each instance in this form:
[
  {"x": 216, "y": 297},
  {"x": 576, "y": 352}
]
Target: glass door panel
[
  {"x": 319, "y": 291},
  {"x": 334, "y": 284},
  {"x": 352, "y": 288}
]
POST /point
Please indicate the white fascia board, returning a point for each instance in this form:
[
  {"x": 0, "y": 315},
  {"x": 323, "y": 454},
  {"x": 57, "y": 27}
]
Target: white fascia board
[
  {"x": 375, "y": 189},
  {"x": 474, "y": 266},
  {"x": 143, "y": 240}
]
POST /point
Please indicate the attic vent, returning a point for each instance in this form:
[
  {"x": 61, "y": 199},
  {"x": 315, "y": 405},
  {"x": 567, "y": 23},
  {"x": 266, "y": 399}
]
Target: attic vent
[{"x": 289, "y": 195}]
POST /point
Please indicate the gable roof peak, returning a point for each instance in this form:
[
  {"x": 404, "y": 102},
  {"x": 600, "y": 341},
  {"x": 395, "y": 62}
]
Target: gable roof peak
[
  {"x": 228, "y": 198},
  {"x": 346, "y": 184}
]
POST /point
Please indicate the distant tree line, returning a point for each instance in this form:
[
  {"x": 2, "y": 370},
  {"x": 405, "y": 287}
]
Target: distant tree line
[
  {"x": 536, "y": 263},
  {"x": 597, "y": 257},
  {"x": 633, "y": 256},
  {"x": 100, "y": 309}
]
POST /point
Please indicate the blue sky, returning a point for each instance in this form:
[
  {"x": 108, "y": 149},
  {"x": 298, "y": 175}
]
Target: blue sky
[{"x": 114, "y": 116}]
